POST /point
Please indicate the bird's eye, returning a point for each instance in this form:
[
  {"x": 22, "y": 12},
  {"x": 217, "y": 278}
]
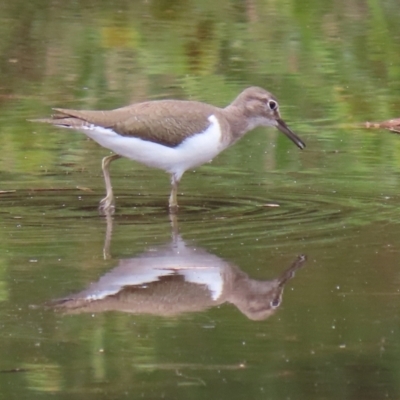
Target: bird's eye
[
  {"x": 273, "y": 105},
  {"x": 276, "y": 302}
]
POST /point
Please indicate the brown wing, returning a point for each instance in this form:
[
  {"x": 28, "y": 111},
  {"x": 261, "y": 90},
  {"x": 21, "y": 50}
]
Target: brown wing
[{"x": 167, "y": 122}]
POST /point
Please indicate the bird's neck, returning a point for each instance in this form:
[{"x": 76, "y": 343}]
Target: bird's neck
[{"x": 239, "y": 122}]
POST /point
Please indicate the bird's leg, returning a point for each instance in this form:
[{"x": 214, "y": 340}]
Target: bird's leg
[
  {"x": 173, "y": 201},
  {"x": 107, "y": 204}
]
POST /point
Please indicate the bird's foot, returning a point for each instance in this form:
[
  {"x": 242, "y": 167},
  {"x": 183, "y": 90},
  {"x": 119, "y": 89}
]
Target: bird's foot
[
  {"x": 173, "y": 209},
  {"x": 107, "y": 206}
]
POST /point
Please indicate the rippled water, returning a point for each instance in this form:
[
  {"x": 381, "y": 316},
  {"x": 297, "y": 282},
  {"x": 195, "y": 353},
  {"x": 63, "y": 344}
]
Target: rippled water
[
  {"x": 336, "y": 315},
  {"x": 280, "y": 276}
]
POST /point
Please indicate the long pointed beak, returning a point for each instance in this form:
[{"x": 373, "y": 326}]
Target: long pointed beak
[{"x": 290, "y": 134}]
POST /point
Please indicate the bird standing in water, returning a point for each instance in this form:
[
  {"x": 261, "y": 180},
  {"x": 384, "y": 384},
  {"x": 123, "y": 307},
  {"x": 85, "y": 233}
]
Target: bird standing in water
[{"x": 173, "y": 135}]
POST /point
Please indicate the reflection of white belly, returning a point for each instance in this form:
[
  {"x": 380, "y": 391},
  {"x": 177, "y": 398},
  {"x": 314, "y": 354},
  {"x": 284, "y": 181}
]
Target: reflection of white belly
[
  {"x": 193, "y": 151},
  {"x": 211, "y": 277},
  {"x": 113, "y": 282}
]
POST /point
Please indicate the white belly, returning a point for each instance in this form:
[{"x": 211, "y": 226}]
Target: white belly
[{"x": 194, "y": 151}]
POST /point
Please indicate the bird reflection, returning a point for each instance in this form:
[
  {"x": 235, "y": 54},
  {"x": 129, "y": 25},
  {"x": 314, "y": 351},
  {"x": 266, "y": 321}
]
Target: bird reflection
[{"x": 176, "y": 278}]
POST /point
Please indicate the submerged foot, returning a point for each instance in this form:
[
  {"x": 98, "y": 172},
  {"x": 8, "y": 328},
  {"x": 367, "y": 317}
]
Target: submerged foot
[
  {"x": 107, "y": 206},
  {"x": 173, "y": 209}
]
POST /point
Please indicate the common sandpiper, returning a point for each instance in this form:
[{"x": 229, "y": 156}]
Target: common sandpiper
[{"x": 172, "y": 135}]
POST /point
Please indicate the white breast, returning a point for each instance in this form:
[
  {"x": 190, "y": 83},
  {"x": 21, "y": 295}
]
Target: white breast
[{"x": 194, "y": 151}]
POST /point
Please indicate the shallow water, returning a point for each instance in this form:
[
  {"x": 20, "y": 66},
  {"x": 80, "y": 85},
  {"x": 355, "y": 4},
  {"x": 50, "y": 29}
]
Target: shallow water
[{"x": 206, "y": 306}]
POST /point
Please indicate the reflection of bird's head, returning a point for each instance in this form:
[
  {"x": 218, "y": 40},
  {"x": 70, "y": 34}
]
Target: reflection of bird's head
[
  {"x": 259, "y": 300},
  {"x": 262, "y": 302}
]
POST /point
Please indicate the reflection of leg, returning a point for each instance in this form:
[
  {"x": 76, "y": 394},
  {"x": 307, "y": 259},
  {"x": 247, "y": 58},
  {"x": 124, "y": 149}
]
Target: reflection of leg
[
  {"x": 174, "y": 225},
  {"x": 107, "y": 203},
  {"x": 173, "y": 201},
  {"x": 107, "y": 241}
]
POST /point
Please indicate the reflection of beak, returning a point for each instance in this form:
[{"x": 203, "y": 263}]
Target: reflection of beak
[{"x": 291, "y": 135}]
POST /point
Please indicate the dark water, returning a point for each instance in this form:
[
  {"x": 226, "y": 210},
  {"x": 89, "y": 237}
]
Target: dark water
[{"x": 219, "y": 305}]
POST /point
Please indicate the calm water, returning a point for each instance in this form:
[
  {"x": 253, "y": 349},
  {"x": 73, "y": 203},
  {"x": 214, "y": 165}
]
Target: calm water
[{"x": 219, "y": 304}]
